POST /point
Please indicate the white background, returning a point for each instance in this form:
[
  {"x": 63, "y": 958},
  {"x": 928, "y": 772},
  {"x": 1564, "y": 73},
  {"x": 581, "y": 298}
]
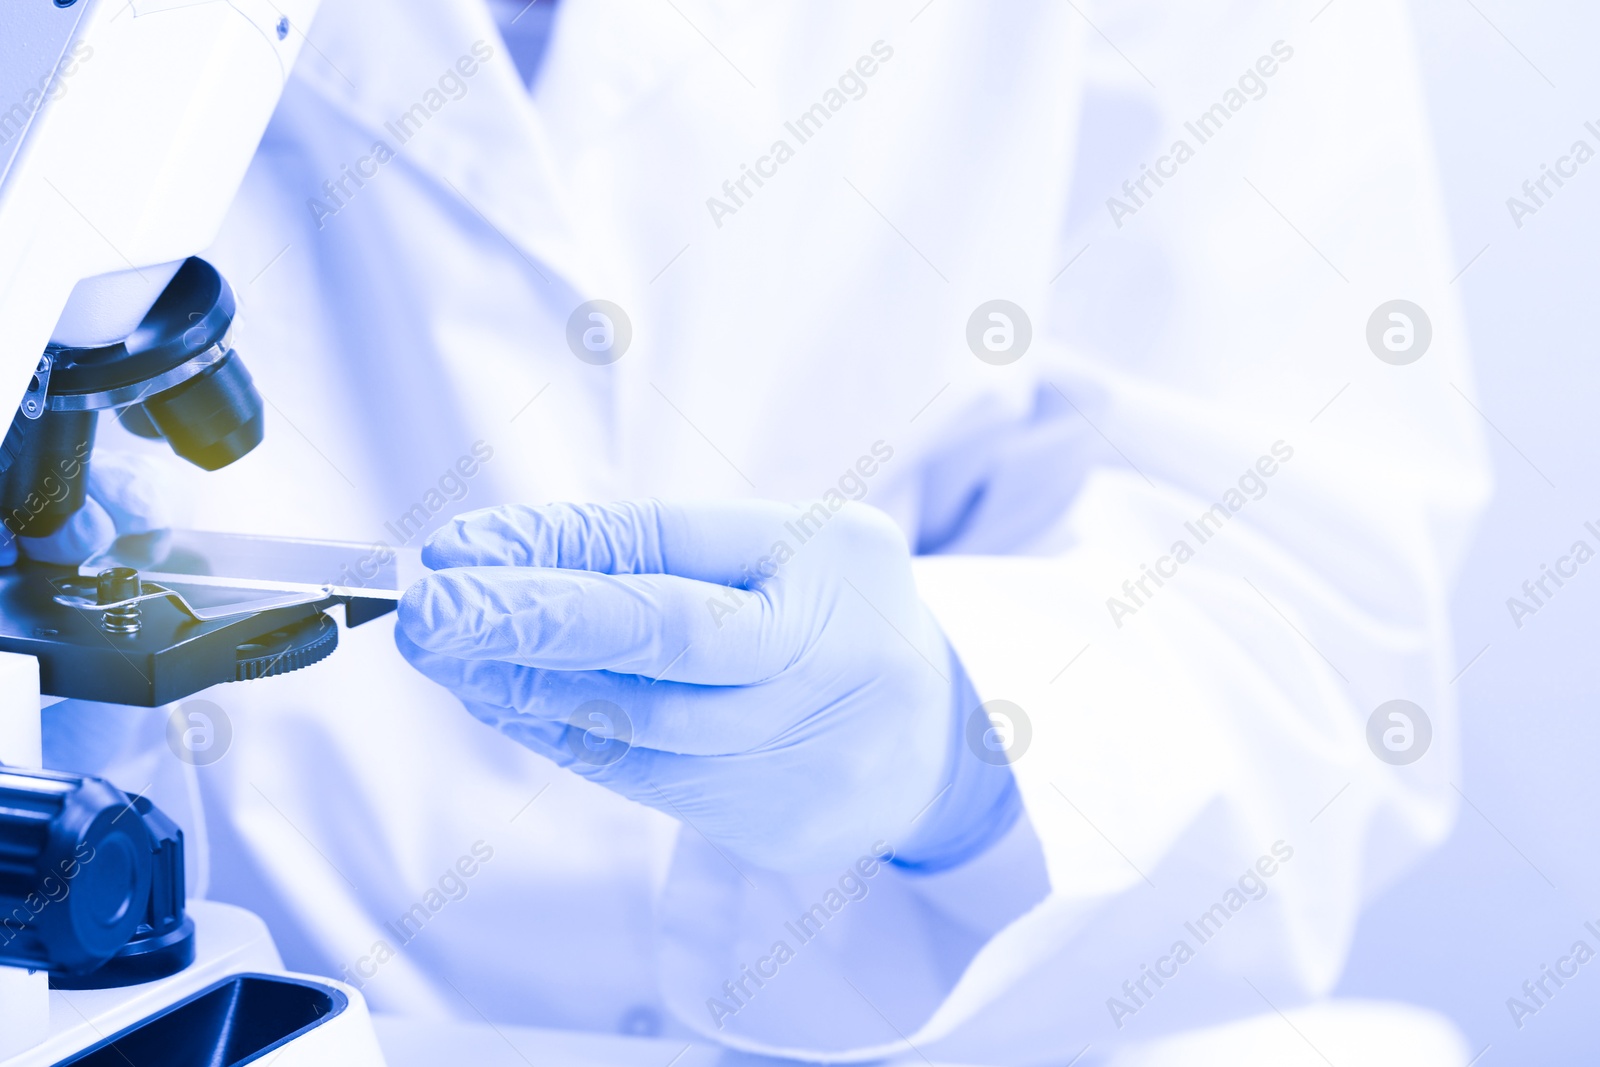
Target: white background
[{"x": 1513, "y": 886}]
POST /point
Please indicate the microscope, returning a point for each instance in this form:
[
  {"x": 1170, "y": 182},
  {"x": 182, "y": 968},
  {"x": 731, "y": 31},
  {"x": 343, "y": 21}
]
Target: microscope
[{"x": 126, "y": 127}]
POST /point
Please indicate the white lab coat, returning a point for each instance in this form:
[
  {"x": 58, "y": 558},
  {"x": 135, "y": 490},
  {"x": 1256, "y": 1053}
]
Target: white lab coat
[{"x": 1172, "y": 747}]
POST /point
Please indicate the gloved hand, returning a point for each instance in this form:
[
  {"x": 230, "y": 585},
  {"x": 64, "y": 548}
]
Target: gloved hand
[
  {"x": 776, "y": 686},
  {"x": 127, "y": 493}
]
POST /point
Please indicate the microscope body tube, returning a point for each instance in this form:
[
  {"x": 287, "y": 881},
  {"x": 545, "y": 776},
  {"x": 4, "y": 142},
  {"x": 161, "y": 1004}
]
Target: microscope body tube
[
  {"x": 49, "y": 479},
  {"x": 176, "y": 377}
]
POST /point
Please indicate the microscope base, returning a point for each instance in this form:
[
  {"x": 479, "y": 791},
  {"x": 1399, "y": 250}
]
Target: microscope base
[{"x": 230, "y": 942}]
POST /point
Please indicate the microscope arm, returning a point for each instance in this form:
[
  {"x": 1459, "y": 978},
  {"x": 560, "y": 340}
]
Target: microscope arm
[{"x": 126, "y": 127}]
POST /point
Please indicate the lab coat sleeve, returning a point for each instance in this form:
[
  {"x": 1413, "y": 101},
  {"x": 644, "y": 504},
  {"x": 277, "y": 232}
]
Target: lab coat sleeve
[{"x": 1260, "y": 559}]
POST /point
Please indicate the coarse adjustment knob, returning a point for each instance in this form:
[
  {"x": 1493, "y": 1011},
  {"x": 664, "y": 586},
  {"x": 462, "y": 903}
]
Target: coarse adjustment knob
[{"x": 75, "y": 870}]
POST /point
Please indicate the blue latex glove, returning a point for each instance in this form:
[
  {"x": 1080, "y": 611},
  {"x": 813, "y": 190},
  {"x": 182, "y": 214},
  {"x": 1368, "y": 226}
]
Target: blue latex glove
[
  {"x": 127, "y": 493},
  {"x": 793, "y": 709}
]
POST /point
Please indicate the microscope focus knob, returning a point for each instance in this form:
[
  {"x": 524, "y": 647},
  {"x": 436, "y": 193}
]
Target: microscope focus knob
[{"x": 75, "y": 870}]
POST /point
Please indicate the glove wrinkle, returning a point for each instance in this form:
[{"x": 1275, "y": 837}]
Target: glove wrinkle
[{"x": 792, "y": 723}]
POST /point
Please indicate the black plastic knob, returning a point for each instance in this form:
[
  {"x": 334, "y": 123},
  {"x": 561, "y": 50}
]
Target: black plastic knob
[{"x": 75, "y": 870}]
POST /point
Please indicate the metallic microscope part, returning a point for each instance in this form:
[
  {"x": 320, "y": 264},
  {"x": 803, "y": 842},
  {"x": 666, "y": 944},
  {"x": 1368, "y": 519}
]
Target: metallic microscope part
[
  {"x": 175, "y": 377},
  {"x": 133, "y": 392},
  {"x": 93, "y": 886},
  {"x": 313, "y": 569},
  {"x": 153, "y": 619},
  {"x": 33, "y": 402},
  {"x": 115, "y": 586},
  {"x": 127, "y": 600}
]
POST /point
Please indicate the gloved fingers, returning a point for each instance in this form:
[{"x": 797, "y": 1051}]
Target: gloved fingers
[
  {"x": 134, "y": 491},
  {"x": 658, "y": 625},
  {"x": 488, "y": 714},
  {"x": 545, "y": 738},
  {"x": 127, "y": 493},
  {"x": 587, "y": 751},
  {"x": 542, "y": 737},
  {"x": 676, "y": 717},
  {"x": 530, "y": 732},
  {"x": 713, "y": 541},
  {"x": 87, "y": 531},
  {"x": 687, "y": 788},
  {"x": 671, "y": 783}
]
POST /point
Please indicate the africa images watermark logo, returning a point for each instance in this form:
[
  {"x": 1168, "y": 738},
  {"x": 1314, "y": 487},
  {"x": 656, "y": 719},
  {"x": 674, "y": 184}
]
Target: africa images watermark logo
[
  {"x": 339, "y": 190},
  {"x": 851, "y": 886},
  {"x": 199, "y": 732},
  {"x": 1537, "y": 992},
  {"x": 452, "y": 885},
  {"x": 851, "y": 85},
  {"x": 50, "y": 489},
  {"x": 1536, "y": 193},
  {"x": 1399, "y": 332},
  {"x": 1399, "y": 732},
  {"x": 998, "y": 732},
  {"x": 52, "y": 888},
  {"x": 999, "y": 332},
  {"x": 1208, "y": 124},
  {"x": 1250, "y": 886},
  {"x": 1538, "y": 590},
  {"x": 851, "y": 485},
  {"x": 1251, "y": 485},
  {"x": 452, "y": 485},
  {"x": 15, "y": 118},
  {"x": 599, "y": 332},
  {"x": 599, "y": 733}
]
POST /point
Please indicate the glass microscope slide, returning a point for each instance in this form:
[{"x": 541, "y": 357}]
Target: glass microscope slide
[{"x": 266, "y": 564}]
